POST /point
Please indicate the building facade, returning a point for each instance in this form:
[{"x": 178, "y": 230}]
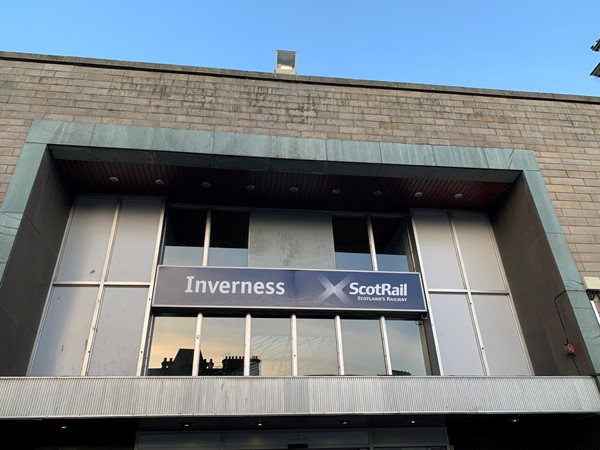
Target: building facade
[{"x": 215, "y": 259}]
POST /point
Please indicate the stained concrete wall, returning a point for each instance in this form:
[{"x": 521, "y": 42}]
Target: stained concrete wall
[
  {"x": 538, "y": 290},
  {"x": 34, "y": 254},
  {"x": 563, "y": 131}
]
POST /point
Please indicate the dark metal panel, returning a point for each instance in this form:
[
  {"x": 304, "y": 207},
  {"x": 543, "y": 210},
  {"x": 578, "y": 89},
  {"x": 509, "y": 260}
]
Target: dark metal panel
[{"x": 266, "y": 189}]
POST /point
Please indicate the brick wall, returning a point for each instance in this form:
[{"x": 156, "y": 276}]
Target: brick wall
[{"x": 563, "y": 131}]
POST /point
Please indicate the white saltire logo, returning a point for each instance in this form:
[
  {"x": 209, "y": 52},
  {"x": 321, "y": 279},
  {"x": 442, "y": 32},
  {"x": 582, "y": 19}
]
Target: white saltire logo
[{"x": 337, "y": 289}]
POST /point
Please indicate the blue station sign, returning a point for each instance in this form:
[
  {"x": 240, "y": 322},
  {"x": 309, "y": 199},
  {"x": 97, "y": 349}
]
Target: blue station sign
[{"x": 287, "y": 289}]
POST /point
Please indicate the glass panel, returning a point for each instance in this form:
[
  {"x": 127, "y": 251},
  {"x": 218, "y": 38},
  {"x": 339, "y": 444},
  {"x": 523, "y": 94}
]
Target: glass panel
[
  {"x": 456, "y": 337},
  {"x": 439, "y": 260},
  {"x": 270, "y": 347},
  {"x": 228, "y": 239},
  {"x": 87, "y": 240},
  {"x": 317, "y": 348},
  {"x": 477, "y": 248},
  {"x": 351, "y": 242},
  {"x": 222, "y": 346},
  {"x": 65, "y": 332},
  {"x": 172, "y": 349},
  {"x": 135, "y": 241},
  {"x": 390, "y": 243},
  {"x": 117, "y": 342},
  {"x": 363, "y": 349},
  {"x": 499, "y": 331},
  {"x": 290, "y": 240},
  {"x": 406, "y": 347},
  {"x": 184, "y": 237}
]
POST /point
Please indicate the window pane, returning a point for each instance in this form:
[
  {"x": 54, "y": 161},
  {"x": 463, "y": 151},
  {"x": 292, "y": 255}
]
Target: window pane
[
  {"x": 228, "y": 239},
  {"x": 499, "y": 330},
  {"x": 317, "y": 350},
  {"x": 390, "y": 243},
  {"x": 351, "y": 242},
  {"x": 482, "y": 266},
  {"x": 363, "y": 349},
  {"x": 172, "y": 348},
  {"x": 406, "y": 347},
  {"x": 458, "y": 344},
  {"x": 270, "y": 347},
  {"x": 222, "y": 346},
  {"x": 65, "y": 332},
  {"x": 439, "y": 260},
  {"x": 87, "y": 241},
  {"x": 184, "y": 237},
  {"x": 117, "y": 342},
  {"x": 137, "y": 231}
]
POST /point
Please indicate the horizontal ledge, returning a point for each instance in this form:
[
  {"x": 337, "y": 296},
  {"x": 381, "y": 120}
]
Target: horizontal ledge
[{"x": 81, "y": 397}]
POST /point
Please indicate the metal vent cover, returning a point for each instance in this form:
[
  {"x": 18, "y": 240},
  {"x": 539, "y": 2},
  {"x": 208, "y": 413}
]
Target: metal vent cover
[{"x": 286, "y": 62}]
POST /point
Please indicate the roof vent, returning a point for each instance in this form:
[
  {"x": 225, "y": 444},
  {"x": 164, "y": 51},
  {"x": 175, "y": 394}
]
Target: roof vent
[{"x": 286, "y": 62}]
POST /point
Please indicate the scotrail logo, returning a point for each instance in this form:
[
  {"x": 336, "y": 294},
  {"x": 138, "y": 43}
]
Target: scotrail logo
[
  {"x": 357, "y": 292},
  {"x": 334, "y": 289}
]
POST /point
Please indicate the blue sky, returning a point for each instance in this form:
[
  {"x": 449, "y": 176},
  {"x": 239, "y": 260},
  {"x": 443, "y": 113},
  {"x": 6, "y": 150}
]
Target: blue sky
[{"x": 521, "y": 45}]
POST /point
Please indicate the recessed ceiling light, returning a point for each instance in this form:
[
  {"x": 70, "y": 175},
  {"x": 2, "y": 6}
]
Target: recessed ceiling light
[
  {"x": 260, "y": 423},
  {"x": 113, "y": 179},
  {"x": 377, "y": 193},
  {"x": 336, "y": 191},
  {"x": 343, "y": 422},
  {"x": 64, "y": 427},
  {"x": 159, "y": 181},
  {"x": 250, "y": 187},
  {"x": 457, "y": 196},
  {"x": 206, "y": 184},
  {"x": 294, "y": 189},
  {"x": 418, "y": 194}
]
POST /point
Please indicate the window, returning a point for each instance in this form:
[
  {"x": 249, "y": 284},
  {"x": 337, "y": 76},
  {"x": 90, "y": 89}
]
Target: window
[
  {"x": 223, "y": 348},
  {"x": 390, "y": 236},
  {"x": 351, "y": 240},
  {"x": 270, "y": 342},
  {"x": 184, "y": 237},
  {"x": 228, "y": 239}
]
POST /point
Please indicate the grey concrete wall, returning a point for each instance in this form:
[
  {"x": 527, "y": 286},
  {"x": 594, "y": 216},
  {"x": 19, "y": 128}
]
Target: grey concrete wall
[
  {"x": 536, "y": 286},
  {"x": 27, "y": 278}
]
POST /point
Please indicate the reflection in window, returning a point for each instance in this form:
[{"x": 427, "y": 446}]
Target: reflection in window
[
  {"x": 389, "y": 234},
  {"x": 406, "y": 348},
  {"x": 184, "y": 237},
  {"x": 363, "y": 349},
  {"x": 229, "y": 239},
  {"x": 317, "y": 350},
  {"x": 270, "y": 347},
  {"x": 351, "y": 243},
  {"x": 172, "y": 350},
  {"x": 222, "y": 346}
]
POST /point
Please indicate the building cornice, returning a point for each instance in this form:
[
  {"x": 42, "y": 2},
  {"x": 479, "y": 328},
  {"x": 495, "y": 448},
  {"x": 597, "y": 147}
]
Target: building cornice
[{"x": 326, "y": 81}]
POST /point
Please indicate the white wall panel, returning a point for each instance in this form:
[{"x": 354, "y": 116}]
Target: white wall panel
[
  {"x": 119, "y": 331},
  {"x": 62, "y": 343},
  {"x": 456, "y": 337},
  {"x": 87, "y": 240},
  {"x": 137, "y": 231},
  {"x": 439, "y": 259},
  {"x": 477, "y": 248}
]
